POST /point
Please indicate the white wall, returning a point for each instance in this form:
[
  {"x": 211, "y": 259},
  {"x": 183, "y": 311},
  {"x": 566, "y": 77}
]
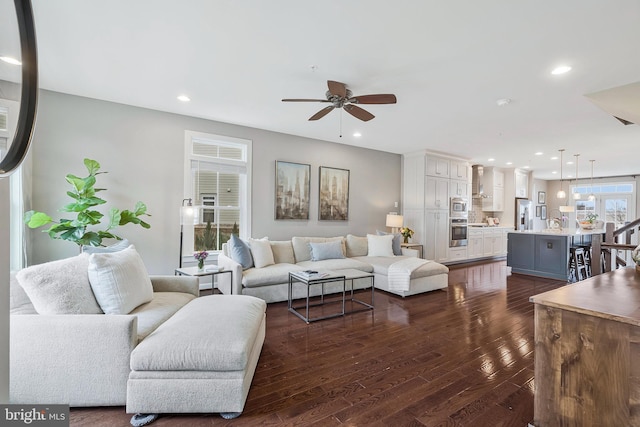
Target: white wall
[
  {"x": 4, "y": 290},
  {"x": 143, "y": 152}
]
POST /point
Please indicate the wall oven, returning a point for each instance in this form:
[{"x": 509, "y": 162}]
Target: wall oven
[
  {"x": 458, "y": 232},
  {"x": 458, "y": 208}
]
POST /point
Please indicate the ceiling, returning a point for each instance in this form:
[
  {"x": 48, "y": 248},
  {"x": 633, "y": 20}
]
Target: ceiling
[{"x": 447, "y": 62}]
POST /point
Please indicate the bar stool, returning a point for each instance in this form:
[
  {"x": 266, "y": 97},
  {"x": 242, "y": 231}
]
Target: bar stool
[
  {"x": 587, "y": 259},
  {"x": 577, "y": 264}
]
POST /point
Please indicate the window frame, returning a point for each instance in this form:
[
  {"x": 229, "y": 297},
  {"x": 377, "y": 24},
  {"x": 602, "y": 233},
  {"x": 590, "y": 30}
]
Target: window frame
[{"x": 223, "y": 166}]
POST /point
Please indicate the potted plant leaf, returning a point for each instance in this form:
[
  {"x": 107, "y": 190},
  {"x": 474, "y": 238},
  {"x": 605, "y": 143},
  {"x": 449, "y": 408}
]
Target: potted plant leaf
[{"x": 87, "y": 228}]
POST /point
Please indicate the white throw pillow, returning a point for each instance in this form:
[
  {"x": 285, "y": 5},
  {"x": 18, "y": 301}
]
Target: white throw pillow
[
  {"x": 380, "y": 245},
  {"x": 261, "y": 252},
  {"x": 60, "y": 287},
  {"x": 119, "y": 281}
]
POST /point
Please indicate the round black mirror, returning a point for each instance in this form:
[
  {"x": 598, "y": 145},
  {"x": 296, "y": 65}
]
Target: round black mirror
[{"x": 18, "y": 118}]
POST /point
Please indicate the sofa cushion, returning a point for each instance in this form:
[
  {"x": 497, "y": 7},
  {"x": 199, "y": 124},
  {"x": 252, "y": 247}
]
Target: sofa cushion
[
  {"x": 60, "y": 287},
  {"x": 380, "y": 245},
  {"x": 356, "y": 245},
  {"x": 211, "y": 333},
  {"x": 326, "y": 250},
  {"x": 19, "y": 302},
  {"x": 157, "y": 311},
  {"x": 119, "y": 281},
  {"x": 302, "y": 250},
  {"x": 271, "y": 275},
  {"x": 336, "y": 264},
  {"x": 116, "y": 247},
  {"x": 239, "y": 252},
  {"x": 261, "y": 252},
  {"x": 282, "y": 252},
  {"x": 381, "y": 266},
  {"x": 396, "y": 244}
]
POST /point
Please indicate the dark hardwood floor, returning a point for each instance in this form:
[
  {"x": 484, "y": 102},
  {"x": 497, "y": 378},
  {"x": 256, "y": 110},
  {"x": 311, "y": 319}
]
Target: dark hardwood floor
[{"x": 457, "y": 357}]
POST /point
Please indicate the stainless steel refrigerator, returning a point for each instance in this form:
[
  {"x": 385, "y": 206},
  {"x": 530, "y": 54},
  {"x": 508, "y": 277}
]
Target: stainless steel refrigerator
[{"x": 524, "y": 214}]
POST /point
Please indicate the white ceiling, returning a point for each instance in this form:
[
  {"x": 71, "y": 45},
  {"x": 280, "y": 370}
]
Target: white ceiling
[{"x": 448, "y": 62}]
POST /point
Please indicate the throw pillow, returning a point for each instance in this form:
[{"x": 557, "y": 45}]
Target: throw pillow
[
  {"x": 356, "y": 246},
  {"x": 116, "y": 247},
  {"x": 60, "y": 287},
  {"x": 326, "y": 250},
  {"x": 282, "y": 252},
  {"x": 380, "y": 245},
  {"x": 119, "y": 281},
  {"x": 261, "y": 252},
  {"x": 397, "y": 241},
  {"x": 239, "y": 252}
]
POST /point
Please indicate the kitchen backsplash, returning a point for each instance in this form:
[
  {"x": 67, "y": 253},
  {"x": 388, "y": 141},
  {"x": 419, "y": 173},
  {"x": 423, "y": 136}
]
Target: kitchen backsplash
[{"x": 476, "y": 214}]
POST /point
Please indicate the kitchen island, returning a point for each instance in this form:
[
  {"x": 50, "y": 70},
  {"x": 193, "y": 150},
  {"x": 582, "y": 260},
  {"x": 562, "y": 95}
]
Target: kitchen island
[
  {"x": 587, "y": 344},
  {"x": 545, "y": 253}
]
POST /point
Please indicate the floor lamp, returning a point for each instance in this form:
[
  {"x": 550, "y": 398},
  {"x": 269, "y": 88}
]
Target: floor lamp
[{"x": 188, "y": 215}]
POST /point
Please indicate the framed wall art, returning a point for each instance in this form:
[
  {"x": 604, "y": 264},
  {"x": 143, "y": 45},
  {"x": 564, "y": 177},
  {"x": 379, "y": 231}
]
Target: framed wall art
[
  {"x": 542, "y": 197},
  {"x": 334, "y": 194},
  {"x": 543, "y": 212},
  {"x": 292, "y": 190}
]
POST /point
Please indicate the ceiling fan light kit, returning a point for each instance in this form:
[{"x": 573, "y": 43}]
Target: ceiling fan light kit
[{"x": 341, "y": 97}]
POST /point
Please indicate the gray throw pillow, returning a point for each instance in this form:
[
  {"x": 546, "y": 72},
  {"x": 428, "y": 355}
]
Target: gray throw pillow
[
  {"x": 326, "y": 250},
  {"x": 240, "y": 252},
  {"x": 397, "y": 241}
]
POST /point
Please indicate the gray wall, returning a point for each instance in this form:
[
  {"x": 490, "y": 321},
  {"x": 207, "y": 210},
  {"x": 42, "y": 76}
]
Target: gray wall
[{"x": 143, "y": 152}]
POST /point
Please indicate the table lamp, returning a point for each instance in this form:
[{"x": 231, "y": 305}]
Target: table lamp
[{"x": 394, "y": 221}]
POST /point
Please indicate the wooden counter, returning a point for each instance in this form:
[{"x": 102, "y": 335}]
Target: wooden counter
[{"x": 587, "y": 352}]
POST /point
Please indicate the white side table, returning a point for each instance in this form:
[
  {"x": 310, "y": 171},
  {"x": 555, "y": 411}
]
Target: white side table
[
  {"x": 195, "y": 271},
  {"x": 416, "y": 246}
]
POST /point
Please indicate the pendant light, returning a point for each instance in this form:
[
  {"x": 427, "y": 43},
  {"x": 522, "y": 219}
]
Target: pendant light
[
  {"x": 561, "y": 194},
  {"x": 576, "y": 193},
  {"x": 592, "y": 196}
]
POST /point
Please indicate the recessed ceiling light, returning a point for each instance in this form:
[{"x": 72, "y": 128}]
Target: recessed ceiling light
[
  {"x": 509, "y": 163},
  {"x": 502, "y": 102},
  {"x": 554, "y": 158},
  {"x": 561, "y": 70},
  {"x": 554, "y": 172},
  {"x": 491, "y": 160},
  {"x": 357, "y": 134},
  {"x": 10, "y": 60},
  {"x": 526, "y": 167},
  {"x": 184, "y": 98},
  {"x": 539, "y": 153},
  {"x": 569, "y": 163}
]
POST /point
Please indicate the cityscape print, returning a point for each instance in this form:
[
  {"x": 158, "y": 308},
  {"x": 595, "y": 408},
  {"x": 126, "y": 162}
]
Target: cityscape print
[
  {"x": 334, "y": 194},
  {"x": 292, "y": 190}
]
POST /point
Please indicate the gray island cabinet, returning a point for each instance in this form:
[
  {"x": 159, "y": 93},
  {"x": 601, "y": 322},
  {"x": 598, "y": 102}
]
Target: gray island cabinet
[{"x": 544, "y": 253}]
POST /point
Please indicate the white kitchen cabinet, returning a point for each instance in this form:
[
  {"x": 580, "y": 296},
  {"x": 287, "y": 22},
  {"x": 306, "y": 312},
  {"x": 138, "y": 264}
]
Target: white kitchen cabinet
[
  {"x": 438, "y": 167},
  {"x": 459, "y": 188},
  {"x": 487, "y": 243},
  {"x": 522, "y": 183},
  {"x": 413, "y": 182},
  {"x": 436, "y": 244},
  {"x": 475, "y": 243},
  {"x": 460, "y": 170},
  {"x": 436, "y": 193},
  {"x": 457, "y": 254}
]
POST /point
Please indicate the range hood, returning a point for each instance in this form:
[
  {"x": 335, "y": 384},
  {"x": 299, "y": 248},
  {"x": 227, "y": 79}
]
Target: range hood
[{"x": 477, "y": 182}]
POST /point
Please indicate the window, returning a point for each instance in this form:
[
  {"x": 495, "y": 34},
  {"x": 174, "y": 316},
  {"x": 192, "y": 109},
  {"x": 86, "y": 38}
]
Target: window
[{"x": 217, "y": 170}]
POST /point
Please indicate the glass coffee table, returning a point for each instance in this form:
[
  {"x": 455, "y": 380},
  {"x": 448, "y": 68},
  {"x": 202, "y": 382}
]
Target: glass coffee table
[{"x": 322, "y": 278}]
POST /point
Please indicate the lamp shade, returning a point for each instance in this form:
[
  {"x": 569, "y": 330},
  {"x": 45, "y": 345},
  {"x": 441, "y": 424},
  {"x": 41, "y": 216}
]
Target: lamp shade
[
  {"x": 189, "y": 215},
  {"x": 394, "y": 221}
]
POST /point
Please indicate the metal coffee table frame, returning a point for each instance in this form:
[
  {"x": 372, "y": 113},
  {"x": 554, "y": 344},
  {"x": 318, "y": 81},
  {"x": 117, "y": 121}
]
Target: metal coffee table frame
[
  {"x": 351, "y": 275},
  {"x": 333, "y": 277}
]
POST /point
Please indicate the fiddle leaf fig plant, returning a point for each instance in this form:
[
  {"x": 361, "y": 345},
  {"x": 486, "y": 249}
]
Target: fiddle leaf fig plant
[{"x": 84, "y": 197}]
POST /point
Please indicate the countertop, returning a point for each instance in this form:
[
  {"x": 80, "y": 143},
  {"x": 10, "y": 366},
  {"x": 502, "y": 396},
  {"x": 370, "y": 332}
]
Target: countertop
[
  {"x": 562, "y": 232},
  {"x": 485, "y": 225},
  {"x": 614, "y": 295}
]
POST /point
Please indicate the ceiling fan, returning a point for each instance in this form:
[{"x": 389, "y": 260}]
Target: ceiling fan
[{"x": 341, "y": 97}]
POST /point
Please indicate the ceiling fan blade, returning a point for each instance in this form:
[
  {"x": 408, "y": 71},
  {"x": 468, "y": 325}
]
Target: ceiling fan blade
[
  {"x": 305, "y": 100},
  {"x": 358, "y": 112},
  {"x": 337, "y": 88},
  {"x": 380, "y": 98},
  {"x": 320, "y": 114}
]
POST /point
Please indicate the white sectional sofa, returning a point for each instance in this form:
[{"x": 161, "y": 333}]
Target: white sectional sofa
[
  {"x": 69, "y": 347},
  {"x": 270, "y": 282}
]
